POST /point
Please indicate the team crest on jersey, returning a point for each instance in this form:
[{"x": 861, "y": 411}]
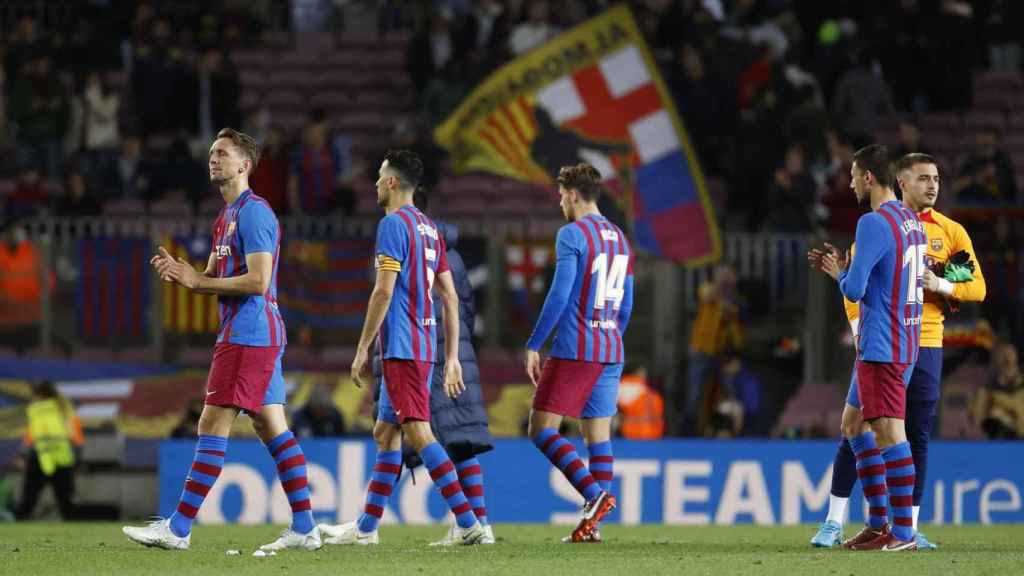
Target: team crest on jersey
[
  {"x": 231, "y": 228},
  {"x": 936, "y": 244}
]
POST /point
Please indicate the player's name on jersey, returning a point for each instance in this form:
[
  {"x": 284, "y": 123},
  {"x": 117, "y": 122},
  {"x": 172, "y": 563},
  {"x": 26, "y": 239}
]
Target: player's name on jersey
[
  {"x": 609, "y": 235},
  {"x": 912, "y": 225},
  {"x": 604, "y": 324}
]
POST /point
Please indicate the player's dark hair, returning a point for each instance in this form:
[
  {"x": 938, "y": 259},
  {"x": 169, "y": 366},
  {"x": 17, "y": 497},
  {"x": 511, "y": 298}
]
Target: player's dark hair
[
  {"x": 875, "y": 159},
  {"x": 407, "y": 166},
  {"x": 247, "y": 144},
  {"x": 908, "y": 161},
  {"x": 421, "y": 200},
  {"x": 582, "y": 178}
]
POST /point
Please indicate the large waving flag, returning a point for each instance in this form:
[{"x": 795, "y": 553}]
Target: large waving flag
[
  {"x": 327, "y": 284},
  {"x": 112, "y": 295},
  {"x": 185, "y": 311},
  {"x": 593, "y": 94}
]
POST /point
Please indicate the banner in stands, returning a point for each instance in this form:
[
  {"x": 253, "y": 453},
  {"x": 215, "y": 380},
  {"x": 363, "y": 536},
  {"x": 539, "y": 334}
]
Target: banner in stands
[
  {"x": 672, "y": 482},
  {"x": 593, "y": 94}
]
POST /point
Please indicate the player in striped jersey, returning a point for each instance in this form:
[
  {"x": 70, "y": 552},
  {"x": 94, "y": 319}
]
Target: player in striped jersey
[
  {"x": 958, "y": 279},
  {"x": 886, "y": 278},
  {"x": 588, "y": 306},
  {"x": 246, "y": 370},
  {"x": 411, "y": 259}
]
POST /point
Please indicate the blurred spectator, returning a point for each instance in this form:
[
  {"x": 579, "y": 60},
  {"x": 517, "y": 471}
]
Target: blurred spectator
[
  {"x": 93, "y": 132},
  {"x": 211, "y": 95},
  {"x": 158, "y": 75},
  {"x": 726, "y": 419},
  {"x": 443, "y": 93},
  {"x": 77, "y": 200},
  {"x": 840, "y": 203},
  {"x": 706, "y": 104},
  {"x": 861, "y": 99},
  {"x": 716, "y": 329},
  {"x": 641, "y": 408},
  {"x": 49, "y": 445},
  {"x": 999, "y": 406},
  {"x": 536, "y": 30},
  {"x": 319, "y": 418},
  {"x": 1002, "y": 31},
  {"x": 910, "y": 141},
  {"x": 987, "y": 174},
  {"x": 481, "y": 37},
  {"x": 29, "y": 196},
  {"x": 130, "y": 175},
  {"x": 177, "y": 174},
  {"x": 746, "y": 388},
  {"x": 431, "y": 50},
  {"x": 22, "y": 45},
  {"x": 792, "y": 196},
  {"x": 39, "y": 107},
  {"x": 270, "y": 178},
  {"x": 189, "y": 425},
  {"x": 20, "y": 288},
  {"x": 316, "y": 169},
  {"x": 952, "y": 35}
]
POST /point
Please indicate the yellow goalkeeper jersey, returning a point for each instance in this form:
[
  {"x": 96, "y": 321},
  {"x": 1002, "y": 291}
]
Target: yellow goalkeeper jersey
[{"x": 945, "y": 238}]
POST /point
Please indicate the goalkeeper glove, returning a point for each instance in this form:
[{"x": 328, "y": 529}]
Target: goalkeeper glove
[{"x": 959, "y": 268}]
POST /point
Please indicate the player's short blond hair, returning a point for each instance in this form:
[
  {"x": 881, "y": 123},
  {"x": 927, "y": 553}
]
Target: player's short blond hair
[
  {"x": 247, "y": 144},
  {"x": 583, "y": 178}
]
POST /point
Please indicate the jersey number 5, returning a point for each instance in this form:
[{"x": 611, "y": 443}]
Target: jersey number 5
[{"x": 611, "y": 280}]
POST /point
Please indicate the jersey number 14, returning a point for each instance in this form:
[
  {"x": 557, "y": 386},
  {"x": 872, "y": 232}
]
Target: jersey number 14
[{"x": 611, "y": 280}]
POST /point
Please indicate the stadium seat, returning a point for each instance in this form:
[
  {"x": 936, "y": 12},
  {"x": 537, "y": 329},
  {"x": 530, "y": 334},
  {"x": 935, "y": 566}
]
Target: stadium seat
[
  {"x": 979, "y": 119},
  {"x": 124, "y": 207}
]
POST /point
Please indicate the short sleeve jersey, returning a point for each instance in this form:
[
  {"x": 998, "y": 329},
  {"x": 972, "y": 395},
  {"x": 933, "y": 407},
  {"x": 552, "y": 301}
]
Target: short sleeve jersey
[
  {"x": 411, "y": 245},
  {"x": 247, "y": 226}
]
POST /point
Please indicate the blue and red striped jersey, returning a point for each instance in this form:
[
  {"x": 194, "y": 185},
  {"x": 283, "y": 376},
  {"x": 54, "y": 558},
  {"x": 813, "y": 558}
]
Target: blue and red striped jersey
[
  {"x": 591, "y": 296},
  {"x": 247, "y": 226},
  {"x": 885, "y": 277},
  {"x": 410, "y": 244}
]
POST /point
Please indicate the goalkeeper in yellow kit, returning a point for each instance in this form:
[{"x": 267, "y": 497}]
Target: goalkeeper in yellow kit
[{"x": 952, "y": 275}]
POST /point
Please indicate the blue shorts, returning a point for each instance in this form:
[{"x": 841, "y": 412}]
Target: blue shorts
[
  {"x": 275, "y": 391},
  {"x": 853, "y": 396}
]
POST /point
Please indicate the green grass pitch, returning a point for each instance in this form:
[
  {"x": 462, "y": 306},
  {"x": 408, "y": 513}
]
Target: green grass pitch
[{"x": 65, "y": 549}]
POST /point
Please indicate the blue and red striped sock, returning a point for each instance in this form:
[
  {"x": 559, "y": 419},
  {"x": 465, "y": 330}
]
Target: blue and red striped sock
[
  {"x": 471, "y": 477},
  {"x": 602, "y": 464},
  {"x": 561, "y": 453},
  {"x": 382, "y": 482},
  {"x": 291, "y": 469},
  {"x": 442, "y": 472},
  {"x": 899, "y": 477},
  {"x": 871, "y": 471},
  {"x": 206, "y": 466}
]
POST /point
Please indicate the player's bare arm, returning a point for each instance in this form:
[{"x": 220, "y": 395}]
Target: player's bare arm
[
  {"x": 453, "y": 385},
  {"x": 380, "y": 301},
  {"x": 254, "y": 282},
  {"x": 211, "y": 265}
]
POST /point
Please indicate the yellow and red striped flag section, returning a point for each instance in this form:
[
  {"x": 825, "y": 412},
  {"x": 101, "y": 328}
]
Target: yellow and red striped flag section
[
  {"x": 593, "y": 94},
  {"x": 186, "y": 312}
]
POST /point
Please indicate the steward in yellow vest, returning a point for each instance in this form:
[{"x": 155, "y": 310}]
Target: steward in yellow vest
[{"x": 50, "y": 441}]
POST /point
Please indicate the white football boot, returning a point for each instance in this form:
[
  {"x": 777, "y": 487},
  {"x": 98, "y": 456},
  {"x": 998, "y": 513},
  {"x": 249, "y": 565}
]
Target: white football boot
[
  {"x": 157, "y": 534},
  {"x": 292, "y": 539},
  {"x": 457, "y": 536},
  {"x": 347, "y": 533}
]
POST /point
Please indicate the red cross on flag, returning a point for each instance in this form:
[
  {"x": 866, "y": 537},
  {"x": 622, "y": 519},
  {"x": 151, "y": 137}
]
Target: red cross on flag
[{"x": 593, "y": 94}]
